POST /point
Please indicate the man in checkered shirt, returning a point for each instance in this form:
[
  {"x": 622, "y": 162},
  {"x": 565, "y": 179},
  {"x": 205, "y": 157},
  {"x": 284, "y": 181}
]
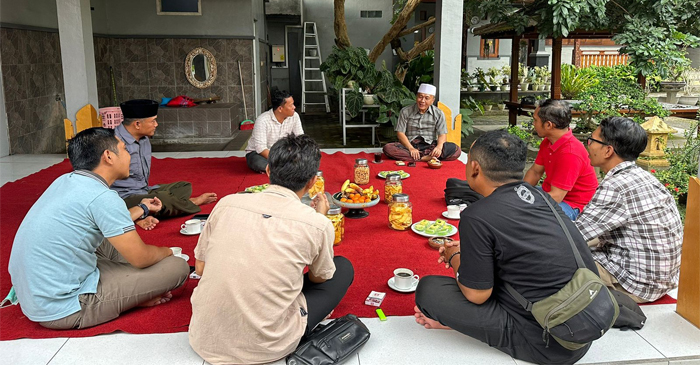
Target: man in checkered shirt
[
  {"x": 633, "y": 216},
  {"x": 422, "y": 131},
  {"x": 270, "y": 127}
]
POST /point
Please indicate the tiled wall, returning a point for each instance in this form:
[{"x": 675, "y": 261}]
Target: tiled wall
[
  {"x": 33, "y": 79},
  {"x": 155, "y": 68}
]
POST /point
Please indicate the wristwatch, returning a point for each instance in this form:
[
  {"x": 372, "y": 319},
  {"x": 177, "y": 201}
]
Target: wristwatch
[{"x": 145, "y": 210}]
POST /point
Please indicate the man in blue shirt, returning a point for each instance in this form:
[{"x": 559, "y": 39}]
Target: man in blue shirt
[
  {"x": 135, "y": 131},
  {"x": 86, "y": 264}
]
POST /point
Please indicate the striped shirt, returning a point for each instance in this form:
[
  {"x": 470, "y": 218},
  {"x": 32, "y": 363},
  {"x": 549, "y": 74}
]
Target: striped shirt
[
  {"x": 268, "y": 130},
  {"x": 640, "y": 231},
  {"x": 428, "y": 125}
]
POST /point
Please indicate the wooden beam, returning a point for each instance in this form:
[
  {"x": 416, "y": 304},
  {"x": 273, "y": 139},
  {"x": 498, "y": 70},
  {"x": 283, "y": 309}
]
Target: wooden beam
[
  {"x": 556, "y": 69},
  {"x": 689, "y": 285},
  {"x": 514, "y": 62}
]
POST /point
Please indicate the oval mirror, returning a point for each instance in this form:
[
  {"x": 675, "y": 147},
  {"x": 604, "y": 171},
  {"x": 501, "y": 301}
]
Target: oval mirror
[{"x": 200, "y": 68}]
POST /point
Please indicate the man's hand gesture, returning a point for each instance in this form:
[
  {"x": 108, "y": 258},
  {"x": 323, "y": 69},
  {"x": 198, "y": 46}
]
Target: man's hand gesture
[
  {"x": 154, "y": 204},
  {"x": 446, "y": 252}
]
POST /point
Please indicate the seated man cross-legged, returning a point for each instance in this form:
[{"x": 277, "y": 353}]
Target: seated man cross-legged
[
  {"x": 570, "y": 178},
  {"x": 76, "y": 260},
  {"x": 135, "y": 131},
  {"x": 422, "y": 131},
  {"x": 633, "y": 216},
  {"x": 254, "y": 303},
  {"x": 270, "y": 126},
  {"x": 501, "y": 244}
]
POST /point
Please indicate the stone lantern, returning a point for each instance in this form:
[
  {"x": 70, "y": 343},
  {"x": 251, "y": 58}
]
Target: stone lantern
[{"x": 657, "y": 138}]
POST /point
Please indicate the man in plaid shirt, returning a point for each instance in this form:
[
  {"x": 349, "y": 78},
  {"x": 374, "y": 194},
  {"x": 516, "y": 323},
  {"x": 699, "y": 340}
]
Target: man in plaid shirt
[
  {"x": 633, "y": 216},
  {"x": 422, "y": 131}
]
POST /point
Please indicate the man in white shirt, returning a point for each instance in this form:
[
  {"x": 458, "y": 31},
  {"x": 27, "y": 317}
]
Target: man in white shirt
[{"x": 270, "y": 126}]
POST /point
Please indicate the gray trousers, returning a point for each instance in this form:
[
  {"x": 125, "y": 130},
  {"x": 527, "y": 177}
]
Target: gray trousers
[
  {"x": 440, "y": 299},
  {"x": 122, "y": 287},
  {"x": 256, "y": 162}
]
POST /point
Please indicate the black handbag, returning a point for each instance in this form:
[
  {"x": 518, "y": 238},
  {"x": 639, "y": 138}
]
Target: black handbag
[{"x": 331, "y": 343}]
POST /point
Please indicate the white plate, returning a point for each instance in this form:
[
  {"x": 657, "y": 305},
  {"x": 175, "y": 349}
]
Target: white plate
[
  {"x": 409, "y": 290},
  {"x": 444, "y": 214},
  {"x": 187, "y": 233},
  {"x": 382, "y": 174},
  {"x": 183, "y": 256},
  {"x": 452, "y": 232}
]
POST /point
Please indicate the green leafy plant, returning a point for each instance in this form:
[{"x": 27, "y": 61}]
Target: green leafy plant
[
  {"x": 348, "y": 64},
  {"x": 616, "y": 93},
  {"x": 574, "y": 81},
  {"x": 468, "y": 107},
  {"x": 683, "y": 164},
  {"x": 420, "y": 70},
  {"x": 526, "y": 133}
]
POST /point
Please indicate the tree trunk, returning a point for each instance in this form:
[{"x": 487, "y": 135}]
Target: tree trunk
[
  {"x": 339, "y": 26},
  {"x": 395, "y": 29}
]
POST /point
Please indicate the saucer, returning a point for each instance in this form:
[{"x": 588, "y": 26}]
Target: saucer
[
  {"x": 444, "y": 214},
  {"x": 189, "y": 234},
  {"x": 183, "y": 256},
  {"x": 409, "y": 290}
]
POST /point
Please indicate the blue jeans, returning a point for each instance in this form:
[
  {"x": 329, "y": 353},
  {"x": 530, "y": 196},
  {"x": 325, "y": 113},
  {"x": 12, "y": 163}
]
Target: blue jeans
[{"x": 570, "y": 212}]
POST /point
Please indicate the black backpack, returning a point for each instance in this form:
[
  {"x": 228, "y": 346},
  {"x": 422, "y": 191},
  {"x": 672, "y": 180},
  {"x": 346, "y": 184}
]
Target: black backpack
[{"x": 458, "y": 192}]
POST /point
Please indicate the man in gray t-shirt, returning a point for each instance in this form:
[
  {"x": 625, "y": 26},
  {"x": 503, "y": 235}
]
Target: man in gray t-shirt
[{"x": 422, "y": 131}]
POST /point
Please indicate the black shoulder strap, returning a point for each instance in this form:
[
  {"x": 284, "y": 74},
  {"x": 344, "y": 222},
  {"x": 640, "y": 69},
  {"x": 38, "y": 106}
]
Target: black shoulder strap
[{"x": 579, "y": 260}]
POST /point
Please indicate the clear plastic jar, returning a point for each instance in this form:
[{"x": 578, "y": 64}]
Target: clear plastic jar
[
  {"x": 393, "y": 185},
  {"x": 338, "y": 220},
  {"x": 400, "y": 212},
  {"x": 320, "y": 185},
  {"x": 361, "y": 171}
]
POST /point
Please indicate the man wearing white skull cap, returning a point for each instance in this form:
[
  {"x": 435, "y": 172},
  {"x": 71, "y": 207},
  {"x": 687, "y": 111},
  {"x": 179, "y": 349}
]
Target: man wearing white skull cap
[{"x": 422, "y": 131}]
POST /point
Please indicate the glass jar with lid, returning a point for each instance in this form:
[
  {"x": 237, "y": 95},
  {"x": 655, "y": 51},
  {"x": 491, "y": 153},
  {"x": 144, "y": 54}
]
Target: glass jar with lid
[
  {"x": 400, "y": 212},
  {"x": 361, "y": 171},
  {"x": 393, "y": 185},
  {"x": 320, "y": 185},
  {"x": 338, "y": 220}
]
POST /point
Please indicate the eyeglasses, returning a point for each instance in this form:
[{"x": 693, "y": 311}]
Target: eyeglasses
[{"x": 591, "y": 139}]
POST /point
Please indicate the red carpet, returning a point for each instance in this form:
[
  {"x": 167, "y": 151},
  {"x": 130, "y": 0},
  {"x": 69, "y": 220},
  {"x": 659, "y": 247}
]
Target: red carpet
[{"x": 374, "y": 249}]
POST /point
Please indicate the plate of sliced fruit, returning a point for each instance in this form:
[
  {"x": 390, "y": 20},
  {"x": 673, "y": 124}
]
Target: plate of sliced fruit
[
  {"x": 256, "y": 188},
  {"x": 436, "y": 228}
]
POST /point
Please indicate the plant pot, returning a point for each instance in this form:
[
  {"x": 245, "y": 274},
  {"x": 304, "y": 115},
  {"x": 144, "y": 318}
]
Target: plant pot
[
  {"x": 313, "y": 53},
  {"x": 488, "y": 108},
  {"x": 524, "y": 86},
  {"x": 672, "y": 85},
  {"x": 547, "y": 87},
  {"x": 540, "y": 87},
  {"x": 504, "y": 87},
  {"x": 501, "y": 106},
  {"x": 351, "y": 84},
  {"x": 473, "y": 88},
  {"x": 688, "y": 100},
  {"x": 368, "y": 99},
  {"x": 493, "y": 87}
]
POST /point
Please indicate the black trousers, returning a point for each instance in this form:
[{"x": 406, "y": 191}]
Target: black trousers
[
  {"x": 255, "y": 161},
  {"x": 440, "y": 298},
  {"x": 322, "y": 298}
]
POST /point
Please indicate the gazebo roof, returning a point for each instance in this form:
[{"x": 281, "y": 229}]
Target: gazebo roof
[{"x": 506, "y": 30}]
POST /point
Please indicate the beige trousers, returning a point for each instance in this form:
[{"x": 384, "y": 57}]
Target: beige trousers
[
  {"x": 611, "y": 282},
  {"x": 122, "y": 287}
]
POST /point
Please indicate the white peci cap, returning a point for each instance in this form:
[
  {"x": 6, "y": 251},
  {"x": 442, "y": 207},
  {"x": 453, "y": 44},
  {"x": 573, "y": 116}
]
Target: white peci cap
[{"x": 427, "y": 89}]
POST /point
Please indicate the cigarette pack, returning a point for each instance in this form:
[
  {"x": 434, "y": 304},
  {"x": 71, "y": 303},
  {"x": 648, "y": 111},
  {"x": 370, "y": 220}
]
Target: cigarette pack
[
  {"x": 400, "y": 163},
  {"x": 375, "y": 298}
]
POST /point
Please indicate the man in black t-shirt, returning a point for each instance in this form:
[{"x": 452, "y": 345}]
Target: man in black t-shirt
[{"x": 511, "y": 235}]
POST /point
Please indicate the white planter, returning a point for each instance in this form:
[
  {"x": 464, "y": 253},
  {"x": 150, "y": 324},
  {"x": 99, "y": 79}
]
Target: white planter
[
  {"x": 688, "y": 100},
  {"x": 488, "y": 107},
  {"x": 547, "y": 87},
  {"x": 524, "y": 87},
  {"x": 473, "y": 88},
  {"x": 368, "y": 99},
  {"x": 505, "y": 87},
  {"x": 313, "y": 53},
  {"x": 501, "y": 106}
]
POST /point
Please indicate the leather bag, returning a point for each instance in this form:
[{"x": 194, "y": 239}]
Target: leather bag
[{"x": 331, "y": 343}]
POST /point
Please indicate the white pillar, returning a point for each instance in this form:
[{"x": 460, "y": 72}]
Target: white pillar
[
  {"x": 4, "y": 131},
  {"x": 448, "y": 52},
  {"x": 77, "y": 54}
]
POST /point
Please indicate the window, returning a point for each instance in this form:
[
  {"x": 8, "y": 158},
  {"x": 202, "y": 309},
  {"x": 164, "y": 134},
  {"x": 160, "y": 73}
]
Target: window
[
  {"x": 370, "y": 13},
  {"x": 179, "y": 7},
  {"x": 489, "y": 48}
]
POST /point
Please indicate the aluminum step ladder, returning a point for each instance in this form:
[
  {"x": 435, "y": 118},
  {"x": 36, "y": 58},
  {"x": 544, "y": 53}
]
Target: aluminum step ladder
[{"x": 312, "y": 80}]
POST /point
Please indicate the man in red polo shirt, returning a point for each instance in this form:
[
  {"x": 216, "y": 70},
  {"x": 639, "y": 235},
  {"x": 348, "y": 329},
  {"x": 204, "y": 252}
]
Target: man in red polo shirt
[{"x": 570, "y": 178}]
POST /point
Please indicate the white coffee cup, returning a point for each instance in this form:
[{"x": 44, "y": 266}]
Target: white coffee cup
[
  {"x": 192, "y": 226},
  {"x": 404, "y": 278},
  {"x": 177, "y": 251},
  {"x": 453, "y": 211}
]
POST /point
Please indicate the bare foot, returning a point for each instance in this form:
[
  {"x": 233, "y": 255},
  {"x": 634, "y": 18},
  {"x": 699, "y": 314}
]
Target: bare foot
[
  {"x": 205, "y": 198},
  {"x": 426, "y": 322},
  {"x": 147, "y": 223},
  {"x": 157, "y": 301}
]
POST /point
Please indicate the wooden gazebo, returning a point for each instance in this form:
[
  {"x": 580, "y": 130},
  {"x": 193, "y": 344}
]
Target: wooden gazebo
[{"x": 506, "y": 31}]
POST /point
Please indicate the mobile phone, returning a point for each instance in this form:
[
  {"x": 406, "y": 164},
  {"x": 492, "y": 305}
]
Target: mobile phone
[
  {"x": 201, "y": 217},
  {"x": 412, "y": 164}
]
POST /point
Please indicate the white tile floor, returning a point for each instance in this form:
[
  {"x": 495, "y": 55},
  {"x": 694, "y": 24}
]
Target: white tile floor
[{"x": 667, "y": 338}]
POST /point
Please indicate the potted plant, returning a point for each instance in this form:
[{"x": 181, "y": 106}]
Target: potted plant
[
  {"x": 523, "y": 77},
  {"x": 480, "y": 76},
  {"x": 505, "y": 82},
  {"x": 467, "y": 107},
  {"x": 574, "y": 81},
  {"x": 501, "y": 106},
  {"x": 683, "y": 163},
  {"x": 488, "y": 105},
  {"x": 493, "y": 74}
]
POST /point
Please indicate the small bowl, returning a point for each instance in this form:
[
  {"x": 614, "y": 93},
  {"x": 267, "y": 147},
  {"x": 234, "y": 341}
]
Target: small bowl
[
  {"x": 437, "y": 242},
  {"x": 434, "y": 165}
]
